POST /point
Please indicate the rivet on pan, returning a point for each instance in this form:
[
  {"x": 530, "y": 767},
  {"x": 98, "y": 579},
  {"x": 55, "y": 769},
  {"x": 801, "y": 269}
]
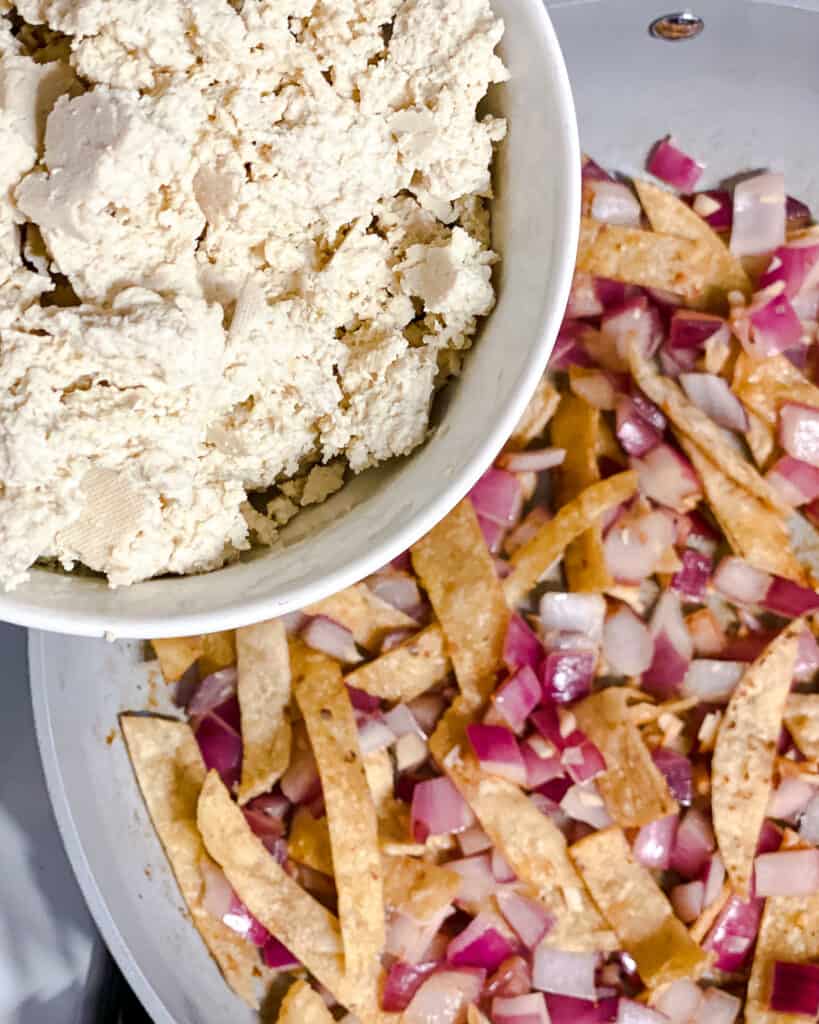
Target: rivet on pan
[{"x": 676, "y": 27}]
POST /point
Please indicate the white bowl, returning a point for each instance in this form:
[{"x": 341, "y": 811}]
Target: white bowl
[{"x": 383, "y": 511}]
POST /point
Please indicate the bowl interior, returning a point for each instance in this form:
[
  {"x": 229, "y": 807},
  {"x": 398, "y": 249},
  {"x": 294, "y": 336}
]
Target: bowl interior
[{"x": 382, "y": 512}]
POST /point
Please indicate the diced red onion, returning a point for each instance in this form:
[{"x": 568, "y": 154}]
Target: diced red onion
[
  {"x": 797, "y": 213},
  {"x": 787, "y": 873},
  {"x": 711, "y": 681},
  {"x": 497, "y": 496},
  {"x": 796, "y": 482},
  {"x": 629, "y": 1011},
  {"x": 713, "y": 878},
  {"x": 799, "y": 432},
  {"x": 628, "y": 646},
  {"x": 427, "y": 709},
  {"x": 678, "y": 773},
  {"x": 807, "y": 657},
  {"x": 584, "y": 803},
  {"x": 535, "y": 460},
  {"x": 330, "y": 637},
  {"x": 493, "y": 534},
  {"x": 517, "y": 697},
  {"x": 221, "y": 748},
  {"x": 397, "y": 589},
  {"x": 688, "y": 899},
  {"x": 654, "y": 842},
  {"x": 521, "y": 646},
  {"x": 277, "y": 956},
  {"x": 667, "y": 477},
  {"x": 444, "y": 996},
  {"x": 512, "y": 978},
  {"x": 212, "y": 692},
  {"x": 718, "y": 1007},
  {"x": 650, "y": 412},
  {"x": 795, "y": 988},
  {"x": 573, "y": 613},
  {"x": 480, "y": 944},
  {"x": 477, "y": 879},
  {"x": 638, "y": 321},
  {"x": 679, "y": 1001},
  {"x": 569, "y": 349},
  {"x": 714, "y": 397},
  {"x": 409, "y": 940},
  {"x": 474, "y": 840},
  {"x": 527, "y": 1009},
  {"x": 809, "y": 826},
  {"x": 565, "y": 973},
  {"x": 362, "y": 701},
  {"x": 402, "y": 982},
  {"x": 240, "y": 920},
  {"x": 402, "y": 721},
  {"x": 217, "y": 895},
  {"x": 584, "y": 300},
  {"x": 497, "y": 750},
  {"x": 501, "y": 869},
  {"x": 591, "y": 171},
  {"x": 374, "y": 734},
  {"x": 692, "y": 579},
  {"x": 394, "y": 638},
  {"x": 715, "y": 208},
  {"x": 528, "y": 919},
  {"x": 784, "y": 597},
  {"x": 791, "y": 264},
  {"x": 550, "y": 726},
  {"x": 272, "y": 804},
  {"x": 688, "y": 333},
  {"x": 740, "y": 582},
  {"x": 759, "y": 215},
  {"x": 567, "y": 1010},
  {"x": 633, "y": 546},
  {"x": 734, "y": 933},
  {"x": 671, "y": 165},
  {"x": 789, "y": 799},
  {"x": 540, "y": 767},
  {"x": 438, "y": 809},
  {"x": 672, "y": 647},
  {"x": 597, "y": 388},
  {"x": 266, "y": 827},
  {"x": 567, "y": 675},
  {"x": 612, "y": 203},
  {"x": 582, "y": 760},
  {"x": 636, "y": 435},
  {"x": 693, "y": 844}
]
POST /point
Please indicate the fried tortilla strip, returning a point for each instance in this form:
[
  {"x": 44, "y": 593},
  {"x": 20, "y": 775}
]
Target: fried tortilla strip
[
  {"x": 392, "y": 814},
  {"x": 170, "y": 772},
  {"x": 764, "y": 385},
  {"x": 637, "y": 909},
  {"x": 536, "y": 556},
  {"x": 789, "y": 931},
  {"x": 576, "y": 427},
  {"x": 701, "y": 430},
  {"x": 802, "y": 720},
  {"x": 760, "y": 439},
  {"x": 652, "y": 260},
  {"x": 219, "y": 651},
  {"x": 457, "y": 572},
  {"x": 303, "y": 1005},
  {"x": 669, "y": 215},
  {"x": 418, "y": 887},
  {"x": 263, "y": 662},
  {"x": 743, "y": 763},
  {"x": 367, "y": 617},
  {"x": 755, "y": 532},
  {"x": 634, "y": 790},
  {"x": 328, "y": 715},
  {"x": 539, "y": 411},
  {"x": 308, "y": 842},
  {"x": 177, "y": 654},
  {"x": 406, "y": 671}
]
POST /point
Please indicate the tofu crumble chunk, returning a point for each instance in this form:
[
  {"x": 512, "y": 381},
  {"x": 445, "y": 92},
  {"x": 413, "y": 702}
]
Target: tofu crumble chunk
[{"x": 241, "y": 247}]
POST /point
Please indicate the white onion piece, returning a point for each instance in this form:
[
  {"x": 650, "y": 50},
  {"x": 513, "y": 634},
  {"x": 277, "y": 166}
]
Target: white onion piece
[
  {"x": 443, "y": 997},
  {"x": 717, "y": 1007},
  {"x": 740, "y": 582},
  {"x": 714, "y": 397},
  {"x": 714, "y": 880},
  {"x": 759, "y": 215},
  {"x": 477, "y": 880},
  {"x": 628, "y": 646},
  {"x": 799, "y": 432},
  {"x": 526, "y": 1009},
  {"x": 668, "y": 618},
  {"x": 668, "y": 478},
  {"x": 809, "y": 826},
  {"x": 688, "y": 899},
  {"x": 397, "y": 589},
  {"x": 408, "y": 939},
  {"x": 527, "y": 918},
  {"x": 402, "y": 721},
  {"x": 634, "y": 546},
  {"x": 583, "y": 802},
  {"x": 564, "y": 973},
  {"x": 787, "y": 873},
  {"x": 613, "y": 203},
  {"x": 330, "y": 637},
  {"x": 374, "y": 734},
  {"x": 218, "y": 894},
  {"x": 789, "y": 799},
  {"x": 574, "y": 613},
  {"x": 712, "y": 681},
  {"x": 474, "y": 840},
  {"x": 679, "y": 1001},
  {"x": 629, "y": 1011}
]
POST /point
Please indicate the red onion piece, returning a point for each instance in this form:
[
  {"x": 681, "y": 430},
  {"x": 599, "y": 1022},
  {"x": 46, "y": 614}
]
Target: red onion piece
[
  {"x": 809, "y": 826},
  {"x": 795, "y": 988},
  {"x": 688, "y": 899},
  {"x": 272, "y": 804},
  {"x": 795, "y": 481},
  {"x": 493, "y": 534},
  {"x": 582, "y": 760},
  {"x": 634, "y": 545},
  {"x": 567, "y": 675},
  {"x": 628, "y": 646},
  {"x": 715, "y": 398},
  {"x": 791, "y": 264},
  {"x": 688, "y": 333},
  {"x": 678, "y": 773},
  {"x": 718, "y": 1007},
  {"x": 497, "y": 750},
  {"x": 591, "y": 171},
  {"x": 277, "y": 956},
  {"x": 444, "y": 996},
  {"x": 673, "y": 648},
  {"x": 679, "y": 1001},
  {"x": 217, "y": 895},
  {"x": 526, "y": 1009},
  {"x": 474, "y": 840},
  {"x": 374, "y": 734},
  {"x": 596, "y": 387},
  {"x": 650, "y": 412},
  {"x": 807, "y": 657},
  {"x": 693, "y": 844},
  {"x": 397, "y": 589},
  {"x": 264, "y": 825},
  {"x": 713, "y": 878},
  {"x": 654, "y": 842},
  {"x": 636, "y": 435},
  {"x": 512, "y": 978},
  {"x": 529, "y": 920},
  {"x": 567, "y": 1010},
  {"x": 740, "y": 582},
  {"x": 629, "y": 1011},
  {"x": 402, "y": 982},
  {"x": 535, "y": 460},
  {"x": 583, "y": 803},
  {"x": 240, "y": 920},
  {"x": 566, "y": 974},
  {"x": 517, "y": 697},
  {"x": 540, "y": 766},
  {"x": 330, "y": 637},
  {"x": 692, "y": 579},
  {"x": 212, "y": 692},
  {"x": 497, "y": 496},
  {"x": 638, "y": 321},
  {"x": 569, "y": 349},
  {"x": 715, "y": 207},
  {"x": 612, "y": 202},
  {"x": 712, "y": 681},
  {"x": 797, "y": 214},
  {"x": 584, "y": 299},
  {"x": 734, "y": 933},
  {"x": 667, "y": 477},
  {"x": 789, "y": 799},
  {"x": 427, "y": 709},
  {"x": 501, "y": 870},
  {"x": 784, "y": 597},
  {"x": 438, "y": 809},
  {"x": 362, "y": 701},
  {"x": 301, "y": 783},
  {"x": 671, "y": 165},
  {"x": 759, "y": 215},
  {"x": 477, "y": 880},
  {"x": 551, "y": 727},
  {"x": 480, "y": 944},
  {"x": 409, "y": 940},
  {"x": 787, "y": 873},
  {"x": 521, "y": 646},
  {"x": 402, "y": 721},
  {"x": 221, "y": 748},
  {"x": 573, "y": 613}
]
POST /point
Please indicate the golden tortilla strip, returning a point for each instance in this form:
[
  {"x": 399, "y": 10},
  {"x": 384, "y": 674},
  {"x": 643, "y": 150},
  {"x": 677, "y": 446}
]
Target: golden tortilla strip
[
  {"x": 393, "y": 815},
  {"x": 802, "y": 720},
  {"x": 303, "y": 1005},
  {"x": 652, "y": 260},
  {"x": 219, "y": 651},
  {"x": 764, "y": 385},
  {"x": 536, "y": 416},
  {"x": 170, "y": 772},
  {"x": 417, "y": 887},
  {"x": 458, "y": 574},
  {"x": 263, "y": 662},
  {"x": 633, "y": 788},
  {"x": 701, "y": 430},
  {"x": 533, "y": 559},
  {"x": 789, "y": 931},
  {"x": 408, "y": 670},
  {"x": 308, "y": 842},
  {"x": 576, "y": 427},
  {"x": 745, "y": 752},
  {"x": 367, "y": 617},
  {"x": 760, "y": 438},
  {"x": 176, "y": 655},
  {"x": 637, "y": 909},
  {"x": 669, "y": 215},
  {"x": 328, "y": 715},
  {"x": 754, "y": 531}
]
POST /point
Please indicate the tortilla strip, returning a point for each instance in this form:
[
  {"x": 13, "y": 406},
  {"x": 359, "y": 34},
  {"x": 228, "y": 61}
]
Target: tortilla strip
[
  {"x": 637, "y": 909},
  {"x": 744, "y": 755},
  {"x": 576, "y": 427},
  {"x": 802, "y": 720},
  {"x": 701, "y": 430},
  {"x": 669, "y": 215},
  {"x": 537, "y": 414},
  {"x": 537, "y": 555},
  {"x": 303, "y": 1005},
  {"x": 760, "y": 439},
  {"x": 764, "y": 385},
  {"x": 263, "y": 662},
  {"x": 789, "y": 931},
  {"x": 418, "y": 887},
  {"x": 754, "y": 531},
  {"x": 170, "y": 772},
  {"x": 646, "y": 258},
  {"x": 219, "y": 651},
  {"x": 367, "y": 617},
  {"x": 633, "y": 788},
  {"x": 406, "y": 671},
  {"x": 328, "y": 714},
  {"x": 176, "y": 655},
  {"x": 457, "y": 572},
  {"x": 308, "y": 842}
]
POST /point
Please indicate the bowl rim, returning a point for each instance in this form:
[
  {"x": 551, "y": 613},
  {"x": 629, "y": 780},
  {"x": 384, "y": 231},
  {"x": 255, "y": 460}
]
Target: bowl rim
[{"x": 18, "y": 608}]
